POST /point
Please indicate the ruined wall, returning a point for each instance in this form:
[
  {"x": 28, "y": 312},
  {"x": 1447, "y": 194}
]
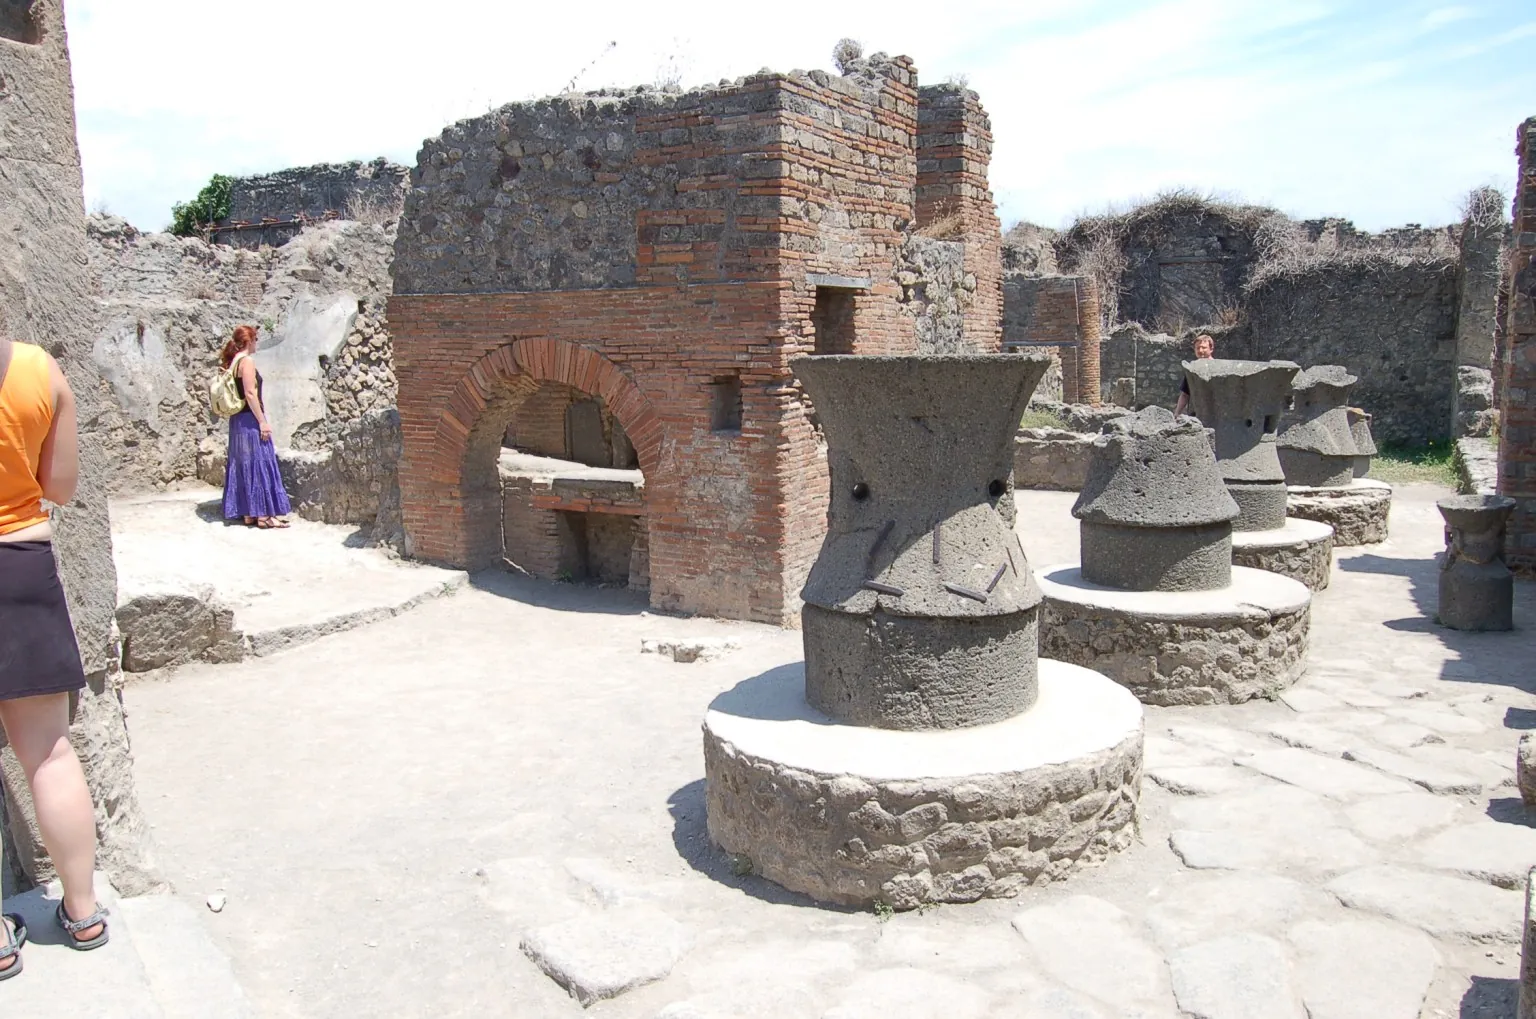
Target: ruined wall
[
  {"x": 47, "y": 296},
  {"x": 372, "y": 192},
  {"x": 643, "y": 236},
  {"x": 1391, "y": 322},
  {"x": 168, "y": 304},
  {"x": 1153, "y": 361},
  {"x": 1060, "y": 312},
  {"x": 1517, "y": 419}
]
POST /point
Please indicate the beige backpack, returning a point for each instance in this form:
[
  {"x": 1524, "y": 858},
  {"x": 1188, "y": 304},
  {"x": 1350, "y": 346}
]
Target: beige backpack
[{"x": 224, "y": 394}]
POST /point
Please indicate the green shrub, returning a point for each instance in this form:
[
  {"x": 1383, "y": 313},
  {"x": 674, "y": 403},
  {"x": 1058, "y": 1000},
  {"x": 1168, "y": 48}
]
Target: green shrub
[{"x": 189, "y": 219}]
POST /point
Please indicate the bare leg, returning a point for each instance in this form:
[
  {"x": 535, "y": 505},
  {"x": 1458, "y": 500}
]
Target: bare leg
[{"x": 38, "y": 731}]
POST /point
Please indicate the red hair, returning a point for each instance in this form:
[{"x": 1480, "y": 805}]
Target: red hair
[{"x": 244, "y": 336}]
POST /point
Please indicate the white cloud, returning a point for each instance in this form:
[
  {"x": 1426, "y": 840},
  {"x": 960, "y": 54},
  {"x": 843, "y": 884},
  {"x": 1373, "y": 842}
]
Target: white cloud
[{"x": 1092, "y": 101}]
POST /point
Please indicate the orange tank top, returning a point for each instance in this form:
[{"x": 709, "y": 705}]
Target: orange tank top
[{"x": 26, "y": 415}]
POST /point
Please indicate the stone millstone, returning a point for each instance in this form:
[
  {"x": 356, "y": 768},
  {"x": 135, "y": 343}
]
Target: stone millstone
[
  {"x": 1365, "y": 444},
  {"x": 1242, "y": 403},
  {"x": 920, "y": 610},
  {"x": 1477, "y": 591},
  {"x": 1155, "y": 513},
  {"x": 1318, "y": 448}
]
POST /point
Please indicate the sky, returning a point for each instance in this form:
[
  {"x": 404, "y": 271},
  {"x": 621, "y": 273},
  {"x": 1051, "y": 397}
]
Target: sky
[{"x": 1381, "y": 111}]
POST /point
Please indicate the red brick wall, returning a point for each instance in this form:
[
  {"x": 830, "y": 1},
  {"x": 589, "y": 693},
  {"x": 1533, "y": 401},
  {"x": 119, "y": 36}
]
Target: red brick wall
[
  {"x": 735, "y": 518},
  {"x": 1060, "y": 312},
  {"x": 1517, "y": 418},
  {"x": 954, "y": 150}
]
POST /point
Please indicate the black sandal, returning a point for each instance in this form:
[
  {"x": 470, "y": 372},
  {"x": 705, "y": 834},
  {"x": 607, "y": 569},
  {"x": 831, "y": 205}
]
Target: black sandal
[
  {"x": 71, "y": 927},
  {"x": 15, "y": 936}
]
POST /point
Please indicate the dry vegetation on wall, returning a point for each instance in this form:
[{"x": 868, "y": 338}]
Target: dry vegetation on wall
[{"x": 1291, "y": 251}]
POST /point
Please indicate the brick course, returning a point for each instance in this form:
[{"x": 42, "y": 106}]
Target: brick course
[{"x": 1060, "y": 313}]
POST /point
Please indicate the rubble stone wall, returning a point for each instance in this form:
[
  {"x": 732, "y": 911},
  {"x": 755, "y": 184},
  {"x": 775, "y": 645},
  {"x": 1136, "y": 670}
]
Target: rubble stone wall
[
  {"x": 373, "y": 192},
  {"x": 1517, "y": 419}
]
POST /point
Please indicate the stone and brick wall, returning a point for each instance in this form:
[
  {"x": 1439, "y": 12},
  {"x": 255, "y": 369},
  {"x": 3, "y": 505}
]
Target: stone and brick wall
[
  {"x": 669, "y": 254},
  {"x": 1060, "y": 312},
  {"x": 1517, "y": 425}
]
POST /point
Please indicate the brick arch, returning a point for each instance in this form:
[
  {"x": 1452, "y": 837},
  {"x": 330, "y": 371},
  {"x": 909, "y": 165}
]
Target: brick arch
[
  {"x": 542, "y": 360},
  {"x": 459, "y": 518}
]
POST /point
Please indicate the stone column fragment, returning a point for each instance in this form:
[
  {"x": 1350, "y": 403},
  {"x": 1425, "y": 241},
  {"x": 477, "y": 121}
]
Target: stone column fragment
[
  {"x": 1155, "y": 514},
  {"x": 1317, "y": 449},
  {"x": 1242, "y": 402}
]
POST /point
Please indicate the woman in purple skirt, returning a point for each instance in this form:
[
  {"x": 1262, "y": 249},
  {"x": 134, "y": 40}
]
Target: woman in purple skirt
[{"x": 253, "y": 485}]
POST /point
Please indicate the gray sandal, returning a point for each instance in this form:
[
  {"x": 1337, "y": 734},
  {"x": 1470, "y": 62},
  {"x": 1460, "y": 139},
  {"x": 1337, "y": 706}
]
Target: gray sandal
[
  {"x": 72, "y": 927},
  {"x": 15, "y": 936}
]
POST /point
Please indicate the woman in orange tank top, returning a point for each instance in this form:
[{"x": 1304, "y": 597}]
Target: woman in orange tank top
[{"x": 39, "y": 660}]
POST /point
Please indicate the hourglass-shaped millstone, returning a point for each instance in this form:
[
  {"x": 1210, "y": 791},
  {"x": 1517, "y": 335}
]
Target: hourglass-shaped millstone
[
  {"x": 1477, "y": 591},
  {"x": 920, "y": 610},
  {"x": 1241, "y": 402},
  {"x": 1317, "y": 448},
  {"x": 1365, "y": 445},
  {"x": 1155, "y": 514}
]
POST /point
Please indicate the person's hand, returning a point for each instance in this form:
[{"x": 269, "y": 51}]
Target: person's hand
[{"x": 266, "y": 432}]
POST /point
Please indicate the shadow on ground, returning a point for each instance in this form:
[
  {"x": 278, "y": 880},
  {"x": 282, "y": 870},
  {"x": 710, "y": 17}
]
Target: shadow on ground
[
  {"x": 553, "y": 594},
  {"x": 1490, "y": 998},
  {"x": 1501, "y": 658},
  {"x": 690, "y": 834}
]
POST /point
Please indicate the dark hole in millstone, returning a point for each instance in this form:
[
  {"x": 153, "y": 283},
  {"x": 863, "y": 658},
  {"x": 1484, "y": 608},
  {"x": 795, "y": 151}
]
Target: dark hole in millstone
[
  {"x": 1248, "y": 423},
  {"x": 860, "y": 491},
  {"x": 997, "y": 488}
]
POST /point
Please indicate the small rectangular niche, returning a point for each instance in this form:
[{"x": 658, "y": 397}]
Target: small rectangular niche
[
  {"x": 832, "y": 320},
  {"x": 725, "y": 404},
  {"x": 18, "y": 24}
]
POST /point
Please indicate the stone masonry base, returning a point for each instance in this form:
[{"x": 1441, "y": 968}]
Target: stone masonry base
[
  {"x": 1186, "y": 647},
  {"x": 1301, "y": 550},
  {"x": 855, "y": 815},
  {"x": 1357, "y": 512}
]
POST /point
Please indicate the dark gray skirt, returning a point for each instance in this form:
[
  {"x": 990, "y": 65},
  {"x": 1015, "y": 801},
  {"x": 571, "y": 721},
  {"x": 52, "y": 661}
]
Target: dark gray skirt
[{"x": 38, "y": 654}]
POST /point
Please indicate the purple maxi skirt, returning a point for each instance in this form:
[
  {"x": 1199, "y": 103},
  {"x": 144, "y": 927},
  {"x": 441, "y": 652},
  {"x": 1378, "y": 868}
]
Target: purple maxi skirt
[{"x": 253, "y": 485}]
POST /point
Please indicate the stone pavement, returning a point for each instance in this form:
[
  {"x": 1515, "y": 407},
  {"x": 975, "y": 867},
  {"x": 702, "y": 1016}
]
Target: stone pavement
[
  {"x": 159, "y": 964},
  {"x": 448, "y": 812},
  {"x": 179, "y": 567}
]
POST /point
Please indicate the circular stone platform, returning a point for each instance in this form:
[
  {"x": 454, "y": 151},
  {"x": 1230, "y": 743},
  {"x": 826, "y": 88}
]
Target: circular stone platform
[
  {"x": 1181, "y": 647},
  {"x": 1357, "y": 512},
  {"x": 1301, "y": 550},
  {"x": 858, "y": 815}
]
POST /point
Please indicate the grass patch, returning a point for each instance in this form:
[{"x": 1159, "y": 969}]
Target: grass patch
[
  {"x": 1040, "y": 419},
  {"x": 1431, "y": 464}
]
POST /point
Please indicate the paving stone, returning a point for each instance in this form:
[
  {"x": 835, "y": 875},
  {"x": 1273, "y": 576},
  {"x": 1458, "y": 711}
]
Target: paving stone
[
  {"x": 1060, "y": 1003},
  {"x": 1402, "y": 735},
  {"x": 907, "y": 993},
  {"x": 1194, "y": 907},
  {"x": 1079, "y": 939},
  {"x": 1306, "y": 699},
  {"x": 1310, "y": 736},
  {"x": 602, "y": 953},
  {"x": 1241, "y": 976},
  {"x": 1229, "y": 742},
  {"x": 912, "y": 940},
  {"x": 1525, "y": 768},
  {"x": 1205, "y": 780},
  {"x": 1272, "y": 809},
  {"x": 1363, "y": 968},
  {"x": 1493, "y": 771},
  {"x": 1442, "y": 720},
  {"x": 1160, "y": 752},
  {"x": 1401, "y": 816},
  {"x": 1444, "y": 906},
  {"x": 1322, "y": 849},
  {"x": 1325, "y": 776},
  {"x": 1501, "y": 854},
  {"x": 1421, "y": 773}
]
